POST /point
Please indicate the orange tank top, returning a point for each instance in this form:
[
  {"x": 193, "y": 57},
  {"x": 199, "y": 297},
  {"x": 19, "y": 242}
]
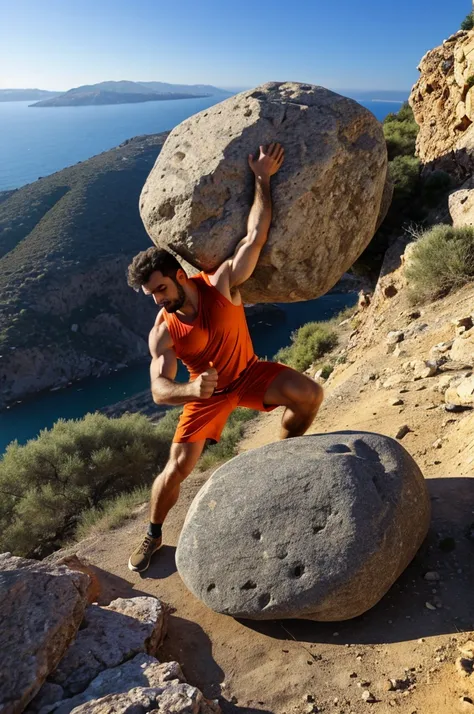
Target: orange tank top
[{"x": 219, "y": 334}]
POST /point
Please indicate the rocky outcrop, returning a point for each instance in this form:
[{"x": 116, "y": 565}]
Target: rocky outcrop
[
  {"x": 322, "y": 529},
  {"x": 109, "y": 636},
  {"x": 97, "y": 659},
  {"x": 327, "y": 196},
  {"x": 42, "y": 608},
  {"x": 443, "y": 105}
]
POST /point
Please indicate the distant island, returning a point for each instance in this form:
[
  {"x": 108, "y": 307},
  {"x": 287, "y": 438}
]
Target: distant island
[
  {"x": 23, "y": 95},
  {"x": 125, "y": 92}
]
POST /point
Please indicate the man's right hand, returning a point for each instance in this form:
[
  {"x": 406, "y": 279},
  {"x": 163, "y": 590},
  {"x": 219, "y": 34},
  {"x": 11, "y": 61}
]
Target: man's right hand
[{"x": 203, "y": 386}]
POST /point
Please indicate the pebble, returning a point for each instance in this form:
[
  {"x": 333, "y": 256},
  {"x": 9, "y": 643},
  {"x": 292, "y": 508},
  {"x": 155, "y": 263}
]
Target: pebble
[
  {"x": 430, "y": 606},
  {"x": 368, "y": 696},
  {"x": 432, "y": 575},
  {"x": 396, "y": 402},
  {"x": 437, "y": 444},
  {"x": 402, "y": 431}
]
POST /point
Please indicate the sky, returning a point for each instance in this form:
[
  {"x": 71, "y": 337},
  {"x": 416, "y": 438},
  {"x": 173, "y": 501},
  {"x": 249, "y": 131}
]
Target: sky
[{"x": 361, "y": 44}]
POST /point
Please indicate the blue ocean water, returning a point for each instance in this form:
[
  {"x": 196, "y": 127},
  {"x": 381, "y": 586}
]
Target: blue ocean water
[{"x": 38, "y": 141}]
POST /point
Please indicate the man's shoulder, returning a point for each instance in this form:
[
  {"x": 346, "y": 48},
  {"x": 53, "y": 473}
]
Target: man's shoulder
[{"x": 159, "y": 336}]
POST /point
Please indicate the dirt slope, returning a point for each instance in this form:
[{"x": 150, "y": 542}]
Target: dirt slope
[{"x": 299, "y": 666}]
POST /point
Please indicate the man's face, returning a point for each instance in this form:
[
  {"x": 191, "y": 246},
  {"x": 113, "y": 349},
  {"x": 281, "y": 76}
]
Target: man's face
[{"x": 167, "y": 292}]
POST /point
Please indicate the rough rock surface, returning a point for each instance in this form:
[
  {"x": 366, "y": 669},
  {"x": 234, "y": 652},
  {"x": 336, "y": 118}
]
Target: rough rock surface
[
  {"x": 109, "y": 636},
  {"x": 443, "y": 104},
  {"x": 328, "y": 196},
  {"x": 142, "y": 671},
  {"x": 173, "y": 699},
  {"x": 461, "y": 394},
  {"x": 316, "y": 527},
  {"x": 462, "y": 349},
  {"x": 461, "y": 206},
  {"x": 42, "y": 607}
]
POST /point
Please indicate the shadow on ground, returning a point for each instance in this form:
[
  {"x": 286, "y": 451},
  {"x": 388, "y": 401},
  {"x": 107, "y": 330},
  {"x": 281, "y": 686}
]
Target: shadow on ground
[
  {"x": 402, "y": 613},
  {"x": 162, "y": 566}
]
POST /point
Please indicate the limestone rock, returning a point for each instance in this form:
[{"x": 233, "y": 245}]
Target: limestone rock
[
  {"x": 328, "y": 198},
  {"x": 462, "y": 349},
  {"x": 173, "y": 699},
  {"x": 422, "y": 369},
  {"x": 42, "y": 607},
  {"x": 461, "y": 207},
  {"x": 462, "y": 394},
  {"x": 142, "y": 671},
  {"x": 109, "y": 636},
  {"x": 315, "y": 527},
  {"x": 442, "y": 104}
]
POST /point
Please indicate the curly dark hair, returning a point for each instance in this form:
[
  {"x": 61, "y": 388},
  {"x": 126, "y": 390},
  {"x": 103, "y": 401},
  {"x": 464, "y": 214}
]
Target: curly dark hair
[{"x": 146, "y": 262}]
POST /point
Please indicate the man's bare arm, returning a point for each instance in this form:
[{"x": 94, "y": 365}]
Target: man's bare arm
[
  {"x": 241, "y": 265},
  {"x": 163, "y": 370}
]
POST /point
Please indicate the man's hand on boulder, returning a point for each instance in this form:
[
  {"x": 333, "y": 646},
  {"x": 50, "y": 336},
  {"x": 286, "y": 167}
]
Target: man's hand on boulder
[
  {"x": 203, "y": 386},
  {"x": 269, "y": 161}
]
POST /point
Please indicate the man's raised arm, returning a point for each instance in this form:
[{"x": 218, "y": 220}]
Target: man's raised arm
[
  {"x": 163, "y": 370},
  {"x": 242, "y": 264}
]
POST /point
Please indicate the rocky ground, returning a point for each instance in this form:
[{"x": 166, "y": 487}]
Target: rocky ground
[{"x": 403, "y": 655}]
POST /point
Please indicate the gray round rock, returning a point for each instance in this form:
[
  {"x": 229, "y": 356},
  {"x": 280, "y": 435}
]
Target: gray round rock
[
  {"x": 328, "y": 198},
  {"x": 315, "y": 527}
]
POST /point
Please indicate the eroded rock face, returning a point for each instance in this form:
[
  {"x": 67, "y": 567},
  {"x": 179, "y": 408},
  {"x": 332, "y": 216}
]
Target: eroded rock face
[
  {"x": 443, "y": 104},
  {"x": 316, "y": 527},
  {"x": 328, "y": 198},
  {"x": 141, "y": 671},
  {"x": 109, "y": 636},
  {"x": 41, "y": 610}
]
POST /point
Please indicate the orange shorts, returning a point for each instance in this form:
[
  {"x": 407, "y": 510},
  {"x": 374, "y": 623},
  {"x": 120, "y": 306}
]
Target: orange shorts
[{"x": 206, "y": 419}]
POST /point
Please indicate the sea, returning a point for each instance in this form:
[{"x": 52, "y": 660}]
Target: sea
[{"x": 35, "y": 142}]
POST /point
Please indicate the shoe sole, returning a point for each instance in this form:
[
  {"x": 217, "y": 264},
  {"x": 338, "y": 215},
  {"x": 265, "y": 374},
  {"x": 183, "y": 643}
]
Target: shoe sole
[{"x": 134, "y": 569}]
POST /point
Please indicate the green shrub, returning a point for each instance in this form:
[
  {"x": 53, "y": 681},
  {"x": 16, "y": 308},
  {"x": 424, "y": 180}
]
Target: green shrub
[
  {"x": 468, "y": 22},
  {"x": 326, "y": 370},
  {"x": 442, "y": 260},
  {"x": 77, "y": 465},
  {"x": 308, "y": 344},
  {"x": 226, "y": 448},
  {"x": 400, "y": 131},
  {"x": 405, "y": 174}
]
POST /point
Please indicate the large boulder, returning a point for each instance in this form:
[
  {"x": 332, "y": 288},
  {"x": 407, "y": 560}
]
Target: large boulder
[
  {"x": 328, "y": 198},
  {"x": 316, "y": 527},
  {"x": 41, "y": 609}
]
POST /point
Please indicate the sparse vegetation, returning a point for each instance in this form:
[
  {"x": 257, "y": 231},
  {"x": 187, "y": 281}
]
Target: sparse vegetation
[
  {"x": 400, "y": 132},
  {"x": 226, "y": 448},
  {"x": 48, "y": 484},
  {"x": 414, "y": 194},
  {"x": 308, "y": 344},
  {"x": 442, "y": 260},
  {"x": 468, "y": 22}
]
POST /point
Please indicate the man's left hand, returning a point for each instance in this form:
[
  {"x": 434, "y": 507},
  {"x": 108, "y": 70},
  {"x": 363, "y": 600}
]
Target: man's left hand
[{"x": 269, "y": 161}]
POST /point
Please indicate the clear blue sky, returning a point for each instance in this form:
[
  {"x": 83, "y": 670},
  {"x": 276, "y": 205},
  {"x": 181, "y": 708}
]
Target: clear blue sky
[{"x": 362, "y": 44}]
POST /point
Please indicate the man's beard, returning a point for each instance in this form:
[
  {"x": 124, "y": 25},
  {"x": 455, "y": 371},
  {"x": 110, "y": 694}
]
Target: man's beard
[{"x": 175, "y": 305}]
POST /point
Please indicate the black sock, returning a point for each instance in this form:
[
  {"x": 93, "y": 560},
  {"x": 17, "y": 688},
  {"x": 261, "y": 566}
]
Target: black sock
[{"x": 154, "y": 530}]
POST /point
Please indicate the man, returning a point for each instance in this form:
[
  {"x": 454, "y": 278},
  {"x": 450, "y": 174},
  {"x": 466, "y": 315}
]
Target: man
[{"x": 202, "y": 322}]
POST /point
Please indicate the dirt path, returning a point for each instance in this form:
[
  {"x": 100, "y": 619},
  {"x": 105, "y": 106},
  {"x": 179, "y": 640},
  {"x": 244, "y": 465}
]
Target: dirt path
[{"x": 299, "y": 666}]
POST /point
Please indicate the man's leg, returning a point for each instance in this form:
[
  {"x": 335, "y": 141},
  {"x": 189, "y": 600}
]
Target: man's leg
[
  {"x": 164, "y": 494},
  {"x": 166, "y": 486},
  {"x": 302, "y": 398}
]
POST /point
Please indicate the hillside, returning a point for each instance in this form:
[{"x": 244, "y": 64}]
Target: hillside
[
  {"x": 65, "y": 243},
  {"x": 21, "y": 95},
  {"x": 124, "y": 92}
]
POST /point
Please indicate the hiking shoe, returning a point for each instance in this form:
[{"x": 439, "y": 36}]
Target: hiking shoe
[{"x": 140, "y": 558}]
